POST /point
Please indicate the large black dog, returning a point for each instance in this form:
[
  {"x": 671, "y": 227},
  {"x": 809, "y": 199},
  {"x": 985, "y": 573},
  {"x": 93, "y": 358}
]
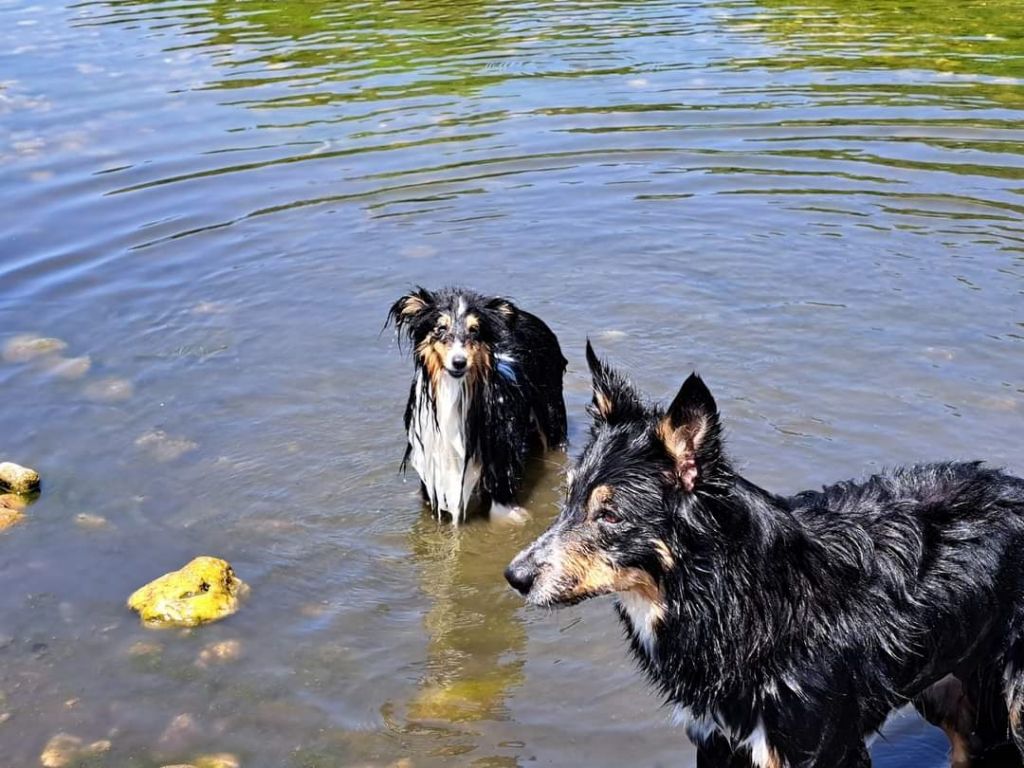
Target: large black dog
[{"x": 786, "y": 629}]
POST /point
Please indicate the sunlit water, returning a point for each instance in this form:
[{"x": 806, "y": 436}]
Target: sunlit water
[{"x": 818, "y": 204}]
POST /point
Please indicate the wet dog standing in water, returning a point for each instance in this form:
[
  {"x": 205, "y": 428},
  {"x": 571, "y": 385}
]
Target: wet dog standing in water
[
  {"x": 487, "y": 385},
  {"x": 784, "y": 630}
]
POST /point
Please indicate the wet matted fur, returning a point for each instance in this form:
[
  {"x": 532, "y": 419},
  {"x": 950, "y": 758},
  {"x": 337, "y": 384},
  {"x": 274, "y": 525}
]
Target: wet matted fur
[
  {"x": 785, "y": 629},
  {"x": 487, "y": 385}
]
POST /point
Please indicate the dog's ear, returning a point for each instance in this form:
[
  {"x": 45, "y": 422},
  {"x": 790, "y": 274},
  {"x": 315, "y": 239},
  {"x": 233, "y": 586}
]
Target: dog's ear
[
  {"x": 503, "y": 307},
  {"x": 691, "y": 432},
  {"x": 615, "y": 401},
  {"x": 405, "y": 312}
]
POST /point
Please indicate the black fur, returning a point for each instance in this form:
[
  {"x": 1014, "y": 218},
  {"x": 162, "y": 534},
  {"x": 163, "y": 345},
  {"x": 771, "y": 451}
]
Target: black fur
[
  {"x": 812, "y": 616},
  {"x": 516, "y": 372}
]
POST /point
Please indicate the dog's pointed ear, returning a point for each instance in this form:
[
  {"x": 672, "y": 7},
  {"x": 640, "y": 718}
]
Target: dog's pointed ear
[
  {"x": 406, "y": 310},
  {"x": 502, "y": 306},
  {"x": 615, "y": 400},
  {"x": 691, "y": 432}
]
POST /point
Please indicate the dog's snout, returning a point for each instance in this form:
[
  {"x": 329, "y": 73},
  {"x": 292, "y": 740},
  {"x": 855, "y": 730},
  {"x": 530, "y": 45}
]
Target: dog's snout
[
  {"x": 521, "y": 575},
  {"x": 459, "y": 362}
]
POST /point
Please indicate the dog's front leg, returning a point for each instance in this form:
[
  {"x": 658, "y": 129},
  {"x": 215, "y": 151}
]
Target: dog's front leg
[{"x": 717, "y": 752}]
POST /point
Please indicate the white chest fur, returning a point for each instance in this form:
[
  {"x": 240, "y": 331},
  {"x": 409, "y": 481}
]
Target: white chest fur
[
  {"x": 437, "y": 434},
  {"x": 644, "y": 617}
]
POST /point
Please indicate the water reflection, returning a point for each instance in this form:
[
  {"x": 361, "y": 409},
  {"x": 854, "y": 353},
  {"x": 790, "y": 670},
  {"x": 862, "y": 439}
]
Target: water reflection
[
  {"x": 476, "y": 640},
  {"x": 982, "y": 39}
]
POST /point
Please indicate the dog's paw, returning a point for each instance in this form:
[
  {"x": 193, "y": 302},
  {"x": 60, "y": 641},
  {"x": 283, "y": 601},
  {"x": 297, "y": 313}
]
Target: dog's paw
[{"x": 514, "y": 515}]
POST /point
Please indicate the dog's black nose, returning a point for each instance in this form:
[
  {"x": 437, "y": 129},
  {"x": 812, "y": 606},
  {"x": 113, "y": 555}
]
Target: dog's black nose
[
  {"x": 459, "y": 362},
  {"x": 521, "y": 576}
]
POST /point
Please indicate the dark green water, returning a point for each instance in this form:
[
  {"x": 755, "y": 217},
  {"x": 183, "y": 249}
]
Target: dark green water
[{"x": 819, "y": 205}]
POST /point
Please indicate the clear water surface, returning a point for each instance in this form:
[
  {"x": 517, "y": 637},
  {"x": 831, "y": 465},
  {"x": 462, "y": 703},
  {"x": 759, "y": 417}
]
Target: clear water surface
[{"x": 818, "y": 204}]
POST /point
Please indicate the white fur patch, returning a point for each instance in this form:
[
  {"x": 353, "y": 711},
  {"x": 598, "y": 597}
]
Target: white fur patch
[
  {"x": 439, "y": 446},
  {"x": 700, "y": 728},
  {"x": 644, "y": 616},
  {"x": 761, "y": 754}
]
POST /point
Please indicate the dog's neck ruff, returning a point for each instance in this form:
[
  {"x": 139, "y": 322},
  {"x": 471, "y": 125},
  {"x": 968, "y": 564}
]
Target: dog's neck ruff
[{"x": 448, "y": 467}]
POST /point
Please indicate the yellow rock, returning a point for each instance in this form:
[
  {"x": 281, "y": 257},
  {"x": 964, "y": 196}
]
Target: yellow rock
[
  {"x": 206, "y": 589},
  {"x": 21, "y": 349},
  {"x": 9, "y": 517},
  {"x": 17, "y": 478}
]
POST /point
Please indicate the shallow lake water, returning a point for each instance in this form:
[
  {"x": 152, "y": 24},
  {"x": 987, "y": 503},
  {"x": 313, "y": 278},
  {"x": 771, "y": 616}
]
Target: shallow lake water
[{"x": 817, "y": 204}]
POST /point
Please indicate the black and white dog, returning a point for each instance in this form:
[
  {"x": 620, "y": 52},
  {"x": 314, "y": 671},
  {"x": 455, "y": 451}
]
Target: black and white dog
[
  {"x": 785, "y": 629},
  {"x": 488, "y": 383}
]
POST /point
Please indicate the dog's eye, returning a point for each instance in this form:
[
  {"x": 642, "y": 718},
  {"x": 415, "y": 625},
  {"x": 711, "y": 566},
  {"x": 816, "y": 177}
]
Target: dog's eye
[{"x": 609, "y": 517}]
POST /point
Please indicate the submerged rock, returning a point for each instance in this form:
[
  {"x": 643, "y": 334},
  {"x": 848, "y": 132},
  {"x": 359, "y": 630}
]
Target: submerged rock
[
  {"x": 13, "y": 501},
  {"x": 110, "y": 390},
  {"x": 69, "y": 367},
  {"x": 184, "y": 728},
  {"x": 9, "y": 517},
  {"x": 21, "y": 349},
  {"x": 219, "y": 653},
  {"x": 90, "y": 521},
  {"x": 17, "y": 478},
  {"x": 219, "y": 760},
  {"x": 145, "y": 648},
  {"x": 67, "y": 750},
  {"x": 206, "y": 589},
  {"x": 164, "y": 447}
]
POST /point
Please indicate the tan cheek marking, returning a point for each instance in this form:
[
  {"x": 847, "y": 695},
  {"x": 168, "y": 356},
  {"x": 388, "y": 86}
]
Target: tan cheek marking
[
  {"x": 432, "y": 354},
  {"x": 668, "y": 562},
  {"x": 595, "y": 575}
]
